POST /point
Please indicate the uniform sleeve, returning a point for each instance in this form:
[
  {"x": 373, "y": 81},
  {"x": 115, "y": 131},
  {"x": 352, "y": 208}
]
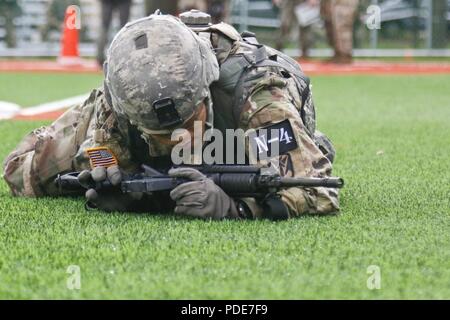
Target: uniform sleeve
[
  {"x": 275, "y": 103},
  {"x": 31, "y": 168}
]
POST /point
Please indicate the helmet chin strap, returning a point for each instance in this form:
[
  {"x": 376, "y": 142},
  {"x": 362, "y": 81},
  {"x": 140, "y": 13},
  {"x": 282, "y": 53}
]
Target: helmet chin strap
[
  {"x": 152, "y": 138},
  {"x": 210, "y": 112}
]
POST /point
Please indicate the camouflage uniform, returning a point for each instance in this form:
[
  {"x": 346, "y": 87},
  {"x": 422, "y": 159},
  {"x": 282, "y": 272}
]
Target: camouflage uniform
[
  {"x": 339, "y": 16},
  {"x": 271, "y": 97},
  {"x": 288, "y": 20}
]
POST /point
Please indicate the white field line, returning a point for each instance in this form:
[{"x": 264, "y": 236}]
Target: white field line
[
  {"x": 8, "y": 110},
  {"x": 53, "y": 106}
]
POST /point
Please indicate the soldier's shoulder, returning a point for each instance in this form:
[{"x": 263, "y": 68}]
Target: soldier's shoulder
[
  {"x": 98, "y": 100},
  {"x": 96, "y": 95},
  {"x": 95, "y": 107}
]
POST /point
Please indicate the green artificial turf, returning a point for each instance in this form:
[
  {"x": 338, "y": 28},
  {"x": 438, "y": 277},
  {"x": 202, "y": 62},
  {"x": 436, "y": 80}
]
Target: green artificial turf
[
  {"x": 29, "y": 89},
  {"x": 392, "y": 135}
]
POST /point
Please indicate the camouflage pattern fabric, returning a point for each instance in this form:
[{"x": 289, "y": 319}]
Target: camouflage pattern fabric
[
  {"x": 339, "y": 16},
  {"x": 274, "y": 100},
  {"x": 60, "y": 147},
  {"x": 288, "y": 20},
  {"x": 142, "y": 69}
]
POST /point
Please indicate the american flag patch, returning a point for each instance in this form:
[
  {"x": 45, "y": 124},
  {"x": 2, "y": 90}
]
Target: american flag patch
[{"x": 101, "y": 157}]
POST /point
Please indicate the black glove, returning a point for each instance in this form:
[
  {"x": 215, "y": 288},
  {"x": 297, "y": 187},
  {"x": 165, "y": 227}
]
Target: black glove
[
  {"x": 202, "y": 197},
  {"x": 111, "y": 199}
]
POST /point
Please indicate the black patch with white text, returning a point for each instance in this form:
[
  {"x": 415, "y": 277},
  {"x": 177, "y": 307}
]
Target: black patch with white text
[{"x": 264, "y": 140}]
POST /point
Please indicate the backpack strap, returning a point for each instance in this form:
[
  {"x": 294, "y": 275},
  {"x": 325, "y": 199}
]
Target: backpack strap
[{"x": 259, "y": 57}]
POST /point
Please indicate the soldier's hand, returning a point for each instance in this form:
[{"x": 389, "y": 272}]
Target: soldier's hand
[
  {"x": 201, "y": 197},
  {"x": 110, "y": 199}
]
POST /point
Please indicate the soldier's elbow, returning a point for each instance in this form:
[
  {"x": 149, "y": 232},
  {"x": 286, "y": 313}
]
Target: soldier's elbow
[{"x": 17, "y": 179}]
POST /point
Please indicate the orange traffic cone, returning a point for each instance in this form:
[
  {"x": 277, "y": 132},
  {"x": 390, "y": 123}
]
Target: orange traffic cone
[{"x": 69, "y": 54}]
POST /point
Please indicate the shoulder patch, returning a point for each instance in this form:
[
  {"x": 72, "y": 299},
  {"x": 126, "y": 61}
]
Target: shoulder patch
[
  {"x": 101, "y": 157},
  {"x": 273, "y": 140}
]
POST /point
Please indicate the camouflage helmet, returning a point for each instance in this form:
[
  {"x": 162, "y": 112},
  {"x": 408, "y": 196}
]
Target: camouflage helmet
[{"x": 158, "y": 72}]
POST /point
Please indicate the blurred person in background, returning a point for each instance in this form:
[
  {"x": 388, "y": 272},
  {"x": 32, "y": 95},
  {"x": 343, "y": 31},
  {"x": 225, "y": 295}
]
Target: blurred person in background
[
  {"x": 218, "y": 9},
  {"x": 107, "y": 9},
  {"x": 186, "y": 5},
  {"x": 288, "y": 19},
  {"x": 9, "y": 9},
  {"x": 339, "y": 17},
  {"x": 166, "y": 6}
]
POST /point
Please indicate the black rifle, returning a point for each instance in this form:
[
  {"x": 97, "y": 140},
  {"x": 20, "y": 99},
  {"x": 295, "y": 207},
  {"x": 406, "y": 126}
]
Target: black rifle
[{"x": 238, "y": 181}]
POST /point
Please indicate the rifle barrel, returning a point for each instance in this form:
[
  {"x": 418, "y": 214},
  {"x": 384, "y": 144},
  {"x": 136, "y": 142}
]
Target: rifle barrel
[{"x": 332, "y": 182}]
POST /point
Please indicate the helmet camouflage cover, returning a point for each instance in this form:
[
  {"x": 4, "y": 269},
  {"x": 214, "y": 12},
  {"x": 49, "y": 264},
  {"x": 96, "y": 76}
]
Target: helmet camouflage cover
[{"x": 158, "y": 71}]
